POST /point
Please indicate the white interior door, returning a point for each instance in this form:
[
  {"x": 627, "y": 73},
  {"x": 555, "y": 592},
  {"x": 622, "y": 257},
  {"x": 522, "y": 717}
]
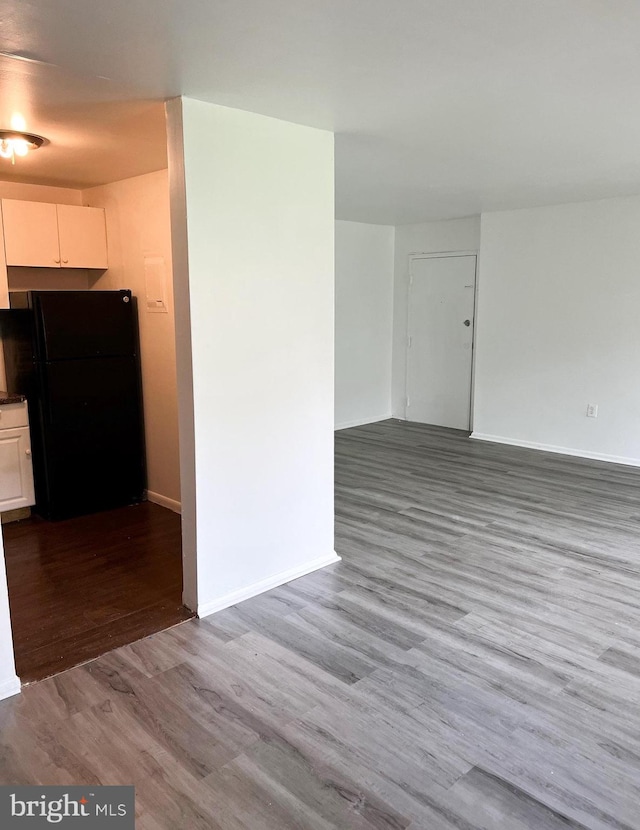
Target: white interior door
[{"x": 440, "y": 342}]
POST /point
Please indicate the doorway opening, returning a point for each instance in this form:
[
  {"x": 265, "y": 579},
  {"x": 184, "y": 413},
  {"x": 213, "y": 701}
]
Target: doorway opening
[
  {"x": 440, "y": 328},
  {"x": 91, "y": 509}
]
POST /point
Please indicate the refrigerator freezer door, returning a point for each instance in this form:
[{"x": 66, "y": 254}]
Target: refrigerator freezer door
[{"x": 82, "y": 324}]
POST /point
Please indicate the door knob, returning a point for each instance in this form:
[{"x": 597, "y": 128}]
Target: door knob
[
  {"x": 467, "y": 322},
  {"x": 27, "y": 452}
]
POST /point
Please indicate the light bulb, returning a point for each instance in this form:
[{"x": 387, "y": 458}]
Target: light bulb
[
  {"x": 20, "y": 147},
  {"x": 15, "y": 144}
]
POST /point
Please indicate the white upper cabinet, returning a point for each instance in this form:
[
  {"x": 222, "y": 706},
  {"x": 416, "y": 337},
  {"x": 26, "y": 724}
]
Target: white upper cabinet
[
  {"x": 83, "y": 237},
  {"x": 39, "y": 234},
  {"x": 30, "y": 233}
]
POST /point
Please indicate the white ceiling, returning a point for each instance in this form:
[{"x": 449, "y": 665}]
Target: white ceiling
[
  {"x": 441, "y": 108},
  {"x": 97, "y": 132}
]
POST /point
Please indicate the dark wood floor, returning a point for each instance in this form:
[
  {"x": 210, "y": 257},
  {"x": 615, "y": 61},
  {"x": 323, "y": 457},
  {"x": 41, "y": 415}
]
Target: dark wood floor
[
  {"x": 84, "y": 586},
  {"x": 472, "y": 664}
]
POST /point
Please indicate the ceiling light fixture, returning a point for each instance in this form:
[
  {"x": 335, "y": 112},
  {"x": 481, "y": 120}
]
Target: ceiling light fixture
[{"x": 15, "y": 143}]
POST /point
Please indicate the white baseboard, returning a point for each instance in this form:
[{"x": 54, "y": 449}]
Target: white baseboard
[
  {"x": 234, "y": 597},
  {"x": 164, "y": 501},
  {"x": 360, "y": 422},
  {"x": 533, "y": 445},
  {"x": 9, "y": 687}
]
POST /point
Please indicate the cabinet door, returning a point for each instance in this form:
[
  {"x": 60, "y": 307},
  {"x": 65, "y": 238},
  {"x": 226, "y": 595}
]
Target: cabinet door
[
  {"x": 16, "y": 471},
  {"x": 30, "y": 233},
  {"x": 83, "y": 237}
]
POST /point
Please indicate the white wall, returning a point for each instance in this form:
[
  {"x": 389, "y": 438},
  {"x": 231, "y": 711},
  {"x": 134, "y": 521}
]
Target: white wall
[
  {"x": 260, "y": 240},
  {"x": 364, "y": 322},
  {"x": 558, "y": 300},
  {"x": 184, "y": 365},
  {"x": 426, "y": 238},
  {"x": 138, "y": 226},
  {"x": 9, "y": 683},
  {"x": 40, "y": 193}
]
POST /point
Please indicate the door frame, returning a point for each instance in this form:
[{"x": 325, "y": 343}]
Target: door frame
[{"x": 443, "y": 255}]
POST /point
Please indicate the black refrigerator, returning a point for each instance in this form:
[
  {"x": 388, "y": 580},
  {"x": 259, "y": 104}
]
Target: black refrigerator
[{"x": 74, "y": 354}]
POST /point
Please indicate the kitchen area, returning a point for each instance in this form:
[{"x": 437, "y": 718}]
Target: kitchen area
[{"x": 89, "y": 456}]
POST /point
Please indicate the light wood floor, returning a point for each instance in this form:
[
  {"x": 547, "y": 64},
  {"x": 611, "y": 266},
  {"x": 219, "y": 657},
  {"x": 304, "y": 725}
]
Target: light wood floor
[{"x": 474, "y": 662}]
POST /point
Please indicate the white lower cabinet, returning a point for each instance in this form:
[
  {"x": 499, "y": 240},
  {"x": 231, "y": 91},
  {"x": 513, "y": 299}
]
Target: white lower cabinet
[{"x": 16, "y": 469}]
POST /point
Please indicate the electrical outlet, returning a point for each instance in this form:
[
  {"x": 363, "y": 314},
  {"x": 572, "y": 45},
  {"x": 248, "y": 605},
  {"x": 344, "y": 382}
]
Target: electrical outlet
[{"x": 592, "y": 410}]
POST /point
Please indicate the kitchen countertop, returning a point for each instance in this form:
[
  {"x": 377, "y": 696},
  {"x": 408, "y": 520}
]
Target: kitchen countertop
[{"x": 6, "y": 398}]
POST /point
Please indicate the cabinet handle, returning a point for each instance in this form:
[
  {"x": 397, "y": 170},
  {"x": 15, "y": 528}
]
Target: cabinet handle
[
  {"x": 57, "y": 261},
  {"x": 65, "y": 260},
  {"x": 27, "y": 452}
]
